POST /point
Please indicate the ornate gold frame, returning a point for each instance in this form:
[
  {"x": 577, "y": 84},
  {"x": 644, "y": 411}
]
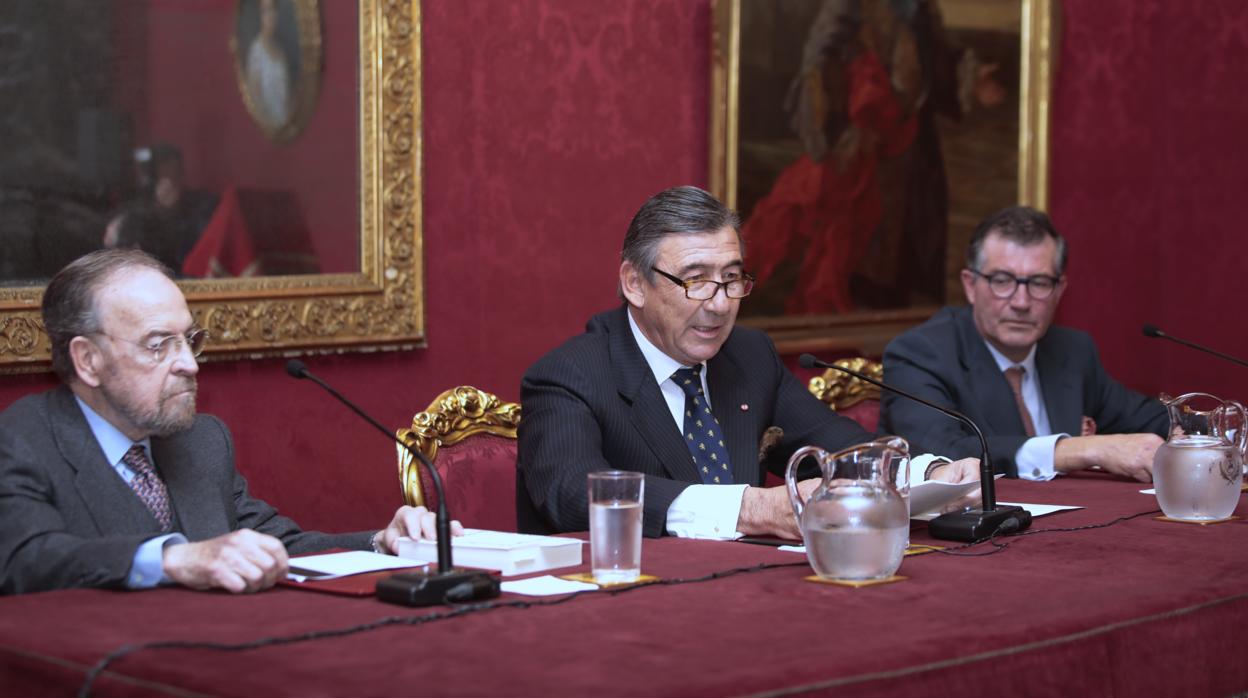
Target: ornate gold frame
[
  {"x": 869, "y": 332},
  {"x": 308, "y": 18},
  {"x": 381, "y": 306}
]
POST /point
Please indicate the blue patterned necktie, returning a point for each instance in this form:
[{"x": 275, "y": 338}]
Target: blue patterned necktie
[
  {"x": 148, "y": 486},
  {"x": 702, "y": 433}
]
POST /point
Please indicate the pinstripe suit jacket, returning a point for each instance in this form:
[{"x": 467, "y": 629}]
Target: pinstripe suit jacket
[
  {"x": 68, "y": 520},
  {"x": 593, "y": 404}
]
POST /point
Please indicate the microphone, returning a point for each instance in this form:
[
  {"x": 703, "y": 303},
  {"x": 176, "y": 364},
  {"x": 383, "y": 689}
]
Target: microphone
[
  {"x": 418, "y": 589},
  {"x": 965, "y": 526},
  {"x": 1152, "y": 331}
]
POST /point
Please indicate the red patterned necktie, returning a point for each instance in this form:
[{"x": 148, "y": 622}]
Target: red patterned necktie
[
  {"x": 1014, "y": 376},
  {"x": 148, "y": 486}
]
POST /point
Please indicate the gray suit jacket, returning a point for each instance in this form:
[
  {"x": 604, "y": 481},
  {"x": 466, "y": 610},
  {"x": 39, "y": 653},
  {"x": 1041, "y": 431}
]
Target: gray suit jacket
[
  {"x": 593, "y": 404},
  {"x": 68, "y": 520},
  {"x": 944, "y": 360}
]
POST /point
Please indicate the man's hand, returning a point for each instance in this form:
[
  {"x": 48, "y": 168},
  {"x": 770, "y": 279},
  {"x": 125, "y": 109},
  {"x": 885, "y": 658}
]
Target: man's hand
[
  {"x": 413, "y": 522},
  {"x": 1127, "y": 455},
  {"x": 965, "y": 470},
  {"x": 242, "y": 561},
  {"x": 767, "y": 511}
]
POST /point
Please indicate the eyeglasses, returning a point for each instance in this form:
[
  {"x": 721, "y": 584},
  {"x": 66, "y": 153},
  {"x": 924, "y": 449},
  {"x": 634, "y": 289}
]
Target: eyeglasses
[
  {"x": 1004, "y": 284},
  {"x": 705, "y": 289},
  {"x": 160, "y": 348}
]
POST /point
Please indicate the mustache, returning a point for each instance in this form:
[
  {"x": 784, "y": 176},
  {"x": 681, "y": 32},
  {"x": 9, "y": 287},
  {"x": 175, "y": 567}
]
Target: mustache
[{"x": 187, "y": 386}]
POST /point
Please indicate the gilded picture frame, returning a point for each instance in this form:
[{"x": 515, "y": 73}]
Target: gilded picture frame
[
  {"x": 381, "y": 306},
  {"x": 276, "y": 45},
  {"x": 737, "y": 62}
]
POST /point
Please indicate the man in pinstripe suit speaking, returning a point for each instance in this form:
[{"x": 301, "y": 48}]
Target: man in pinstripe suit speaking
[{"x": 666, "y": 385}]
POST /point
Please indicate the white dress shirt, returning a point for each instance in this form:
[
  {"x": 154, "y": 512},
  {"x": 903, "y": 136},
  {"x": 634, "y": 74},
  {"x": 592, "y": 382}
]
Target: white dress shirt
[{"x": 1035, "y": 457}]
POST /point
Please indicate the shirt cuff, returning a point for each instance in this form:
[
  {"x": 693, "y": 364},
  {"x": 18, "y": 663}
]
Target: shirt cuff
[
  {"x": 1034, "y": 459},
  {"x": 708, "y": 512},
  {"x": 920, "y": 464},
  {"x": 147, "y": 569}
]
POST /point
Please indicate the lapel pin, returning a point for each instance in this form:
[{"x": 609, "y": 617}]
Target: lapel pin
[{"x": 745, "y": 407}]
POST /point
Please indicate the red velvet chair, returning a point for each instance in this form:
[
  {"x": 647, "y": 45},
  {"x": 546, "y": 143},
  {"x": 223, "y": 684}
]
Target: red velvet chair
[
  {"x": 470, "y": 437},
  {"x": 853, "y": 398}
]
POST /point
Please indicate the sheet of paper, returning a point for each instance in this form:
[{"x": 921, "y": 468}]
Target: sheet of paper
[
  {"x": 1151, "y": 490},
  {"x": 932, "y": 496},
  {"x": 1034, "y": 509},
  {"x": 332, "y": 565},
  {"x": 546, "y": 585}
]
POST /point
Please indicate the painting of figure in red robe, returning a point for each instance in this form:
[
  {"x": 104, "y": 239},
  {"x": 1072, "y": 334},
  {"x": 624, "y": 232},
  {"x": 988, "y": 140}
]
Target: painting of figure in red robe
[{"x": 873, "y": 135}]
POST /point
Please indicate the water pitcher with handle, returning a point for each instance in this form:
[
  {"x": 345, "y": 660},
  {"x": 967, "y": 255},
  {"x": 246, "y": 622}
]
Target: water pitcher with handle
[
  {"x": 856, "y": 522},
  {"x": 1198, "y": 471}
]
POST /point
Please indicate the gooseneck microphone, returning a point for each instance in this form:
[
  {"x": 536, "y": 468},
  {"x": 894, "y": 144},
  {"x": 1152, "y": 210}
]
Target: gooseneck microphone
[
  {"x": 966, "y": 526},
  {"x": 417, "y": 589},
  {"x": 1152, "y": 331}
]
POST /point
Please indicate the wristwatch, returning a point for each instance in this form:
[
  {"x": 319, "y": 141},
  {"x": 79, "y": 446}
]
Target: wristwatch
[{"x": 376, "y": 541}]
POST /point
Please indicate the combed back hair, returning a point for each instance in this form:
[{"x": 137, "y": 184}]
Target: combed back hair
[
  {"x": 69, "y": 300},
  {"x": 1019, "y": 224},
  {"x": 676, "y": 211}
]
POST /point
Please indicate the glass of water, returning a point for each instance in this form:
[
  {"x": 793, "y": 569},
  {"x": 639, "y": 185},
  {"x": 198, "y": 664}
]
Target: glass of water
[{"x": 615, "y": 498}]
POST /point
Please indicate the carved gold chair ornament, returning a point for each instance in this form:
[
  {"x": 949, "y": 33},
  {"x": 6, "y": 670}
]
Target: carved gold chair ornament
[
  {"x": 453, "y": 416},
  {"x": 840, "y": 390}
]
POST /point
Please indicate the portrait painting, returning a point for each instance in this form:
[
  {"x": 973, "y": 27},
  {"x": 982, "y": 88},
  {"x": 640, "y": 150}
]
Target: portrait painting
[
  {"x": 277, "y": 46},
  {"x": 861, "y": 141}
]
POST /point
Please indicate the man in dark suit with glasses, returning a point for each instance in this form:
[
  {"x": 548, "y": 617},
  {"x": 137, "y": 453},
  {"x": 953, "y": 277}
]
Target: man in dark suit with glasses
[
  {"x": 112, "y": 479},
  {"x": 1038, "y": 392}
]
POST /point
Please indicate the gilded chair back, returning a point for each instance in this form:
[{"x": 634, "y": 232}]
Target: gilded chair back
[
  {"x": 850, "y": 396},
  {"x": 470, "y": 437}
]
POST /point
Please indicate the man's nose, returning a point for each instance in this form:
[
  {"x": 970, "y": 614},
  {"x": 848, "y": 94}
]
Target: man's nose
[
  {"x": 184, "y": 361},
  {"x": 720, "y": 302}
]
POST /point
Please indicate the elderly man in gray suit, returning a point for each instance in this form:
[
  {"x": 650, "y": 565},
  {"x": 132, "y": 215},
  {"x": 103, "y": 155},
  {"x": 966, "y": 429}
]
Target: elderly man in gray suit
[{"x": 112, "y": 479}]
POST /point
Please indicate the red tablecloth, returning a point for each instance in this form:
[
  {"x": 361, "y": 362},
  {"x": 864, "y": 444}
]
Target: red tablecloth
[{"x": 1141, "y": 608}]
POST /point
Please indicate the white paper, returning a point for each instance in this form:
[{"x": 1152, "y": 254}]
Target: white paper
[
  {"x": 334, "y": 565},
  {"x": 928, "y": 498},
  {"x": 501, "y": 540},
  {"x": 1034, "y": 509},
  {"x": 546, "y": 585},
  {"x": 1151, "y": 490}
]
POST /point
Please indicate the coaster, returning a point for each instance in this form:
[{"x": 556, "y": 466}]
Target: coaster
[
  {"x": 922, "y": 549},
  {"x": 588, "y": 578},
  {"x": 855, "y": 583},
  {"x": 1243, "y": 487},
  {"x": 1198, "y": 523}
]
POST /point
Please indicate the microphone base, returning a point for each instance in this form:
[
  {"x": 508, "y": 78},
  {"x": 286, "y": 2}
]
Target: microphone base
[
  {"x": 977, "y": 524},
  {"x": 431, "y": 589}
]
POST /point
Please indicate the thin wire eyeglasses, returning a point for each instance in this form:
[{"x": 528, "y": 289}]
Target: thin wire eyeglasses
[
  {"x": 705, "y": 289},
  {"x": 161, "y": 348},
  {"x": 1003, "y": 284}
]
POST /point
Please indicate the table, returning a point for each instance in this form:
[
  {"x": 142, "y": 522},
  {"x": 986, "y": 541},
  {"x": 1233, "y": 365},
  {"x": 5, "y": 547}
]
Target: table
[{"x": 1143, "y": 607}]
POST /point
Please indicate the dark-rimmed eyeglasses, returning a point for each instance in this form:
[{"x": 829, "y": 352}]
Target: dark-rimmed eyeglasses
[
  {"x": 1003, "y": 284},
  {"x": 161, "y": 347},
  {"x": 705, "y": 289}
]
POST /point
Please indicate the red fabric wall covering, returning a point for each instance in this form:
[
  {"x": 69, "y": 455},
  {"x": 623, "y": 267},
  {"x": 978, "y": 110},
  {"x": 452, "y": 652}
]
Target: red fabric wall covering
[{"x": 547, "y": 122}]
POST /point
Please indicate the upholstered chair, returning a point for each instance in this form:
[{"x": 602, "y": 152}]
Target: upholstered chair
[
  {"x": 470, "y": 437},
  {"x": 853, "y": 398}
]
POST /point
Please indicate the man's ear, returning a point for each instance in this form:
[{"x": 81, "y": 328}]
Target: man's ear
[
  {"x": 968, "y": 285},
  {"x": 632, "y": 285},
  {"x": 88, "y": 361}
]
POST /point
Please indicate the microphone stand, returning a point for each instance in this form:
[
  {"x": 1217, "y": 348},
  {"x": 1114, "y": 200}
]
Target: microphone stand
[
  {"x": 965, "y": 526},
  {"x": 1152, "y": 331},
  {"x": 416, "y": 588}
]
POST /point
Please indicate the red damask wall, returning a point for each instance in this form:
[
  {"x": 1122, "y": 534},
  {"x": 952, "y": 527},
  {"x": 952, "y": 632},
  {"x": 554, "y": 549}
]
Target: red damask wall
[{"x": 547, "y": 122}]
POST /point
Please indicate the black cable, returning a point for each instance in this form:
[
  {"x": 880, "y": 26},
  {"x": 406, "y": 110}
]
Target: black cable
[
  {"x": 998, "y": 547},
  {"x": 460, "y": 610}
]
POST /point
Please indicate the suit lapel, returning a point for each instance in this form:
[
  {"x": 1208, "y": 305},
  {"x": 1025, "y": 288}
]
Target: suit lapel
[
  {"x": 189, "y": 495},
  {"x": 994, "y": 398},
  {"x": 729, "y": 388},
  {"x": 109, "y": 500},
  {"x": 649, "y": 413},
  {"x": 1060, "y": 390}
]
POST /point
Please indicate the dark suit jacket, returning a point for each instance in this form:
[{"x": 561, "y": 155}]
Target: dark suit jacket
[
  {"x": 944, "y": 360},
  {"x": 593, "y": 404},
  {"x": 68, "y": 520}
]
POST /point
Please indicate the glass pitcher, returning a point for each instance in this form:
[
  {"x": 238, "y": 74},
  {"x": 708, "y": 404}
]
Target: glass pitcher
[
  {"x": 1198, "y": 471},
  {"x": 856, "y": 522}
]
